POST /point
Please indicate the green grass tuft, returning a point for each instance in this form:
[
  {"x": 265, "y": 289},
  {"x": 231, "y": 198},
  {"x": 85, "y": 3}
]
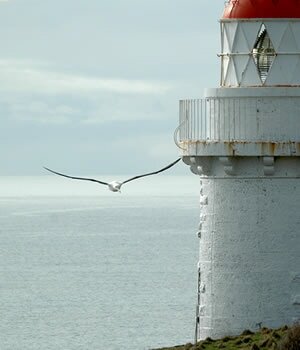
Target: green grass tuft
[{"x": 283, "y": 338}]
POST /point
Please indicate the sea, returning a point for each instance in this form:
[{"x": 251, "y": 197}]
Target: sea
[{"x": 84, "y": 268}]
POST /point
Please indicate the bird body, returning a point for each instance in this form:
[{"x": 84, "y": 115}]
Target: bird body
[{"x": 115, "y": 186}]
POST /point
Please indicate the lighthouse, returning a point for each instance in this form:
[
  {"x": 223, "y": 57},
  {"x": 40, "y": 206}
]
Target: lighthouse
[{"x": 242, "y": 139}]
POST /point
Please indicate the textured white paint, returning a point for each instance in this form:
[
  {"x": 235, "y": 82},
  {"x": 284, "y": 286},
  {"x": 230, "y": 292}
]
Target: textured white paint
[
  {"x": 249, "y": 254},
  {"x": 268, "y": 115},
  {"x": 245, "y": 167}
]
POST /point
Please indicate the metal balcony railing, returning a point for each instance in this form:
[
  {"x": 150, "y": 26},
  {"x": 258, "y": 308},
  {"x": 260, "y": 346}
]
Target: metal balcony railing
[{"x": 252, "y": 119}]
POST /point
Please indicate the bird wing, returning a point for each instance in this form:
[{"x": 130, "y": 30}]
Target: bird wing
[
  {"x": 152, "y": 173},
  {"x": 76, "y": 178}
]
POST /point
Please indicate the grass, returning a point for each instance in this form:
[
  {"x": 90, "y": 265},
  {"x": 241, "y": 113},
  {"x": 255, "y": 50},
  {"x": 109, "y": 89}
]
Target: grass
[{"x": 284, "y": 338}]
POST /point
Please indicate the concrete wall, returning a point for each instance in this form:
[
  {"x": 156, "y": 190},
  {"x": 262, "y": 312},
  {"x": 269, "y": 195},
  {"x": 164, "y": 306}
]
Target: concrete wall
[{"x": 249, "y": 248}]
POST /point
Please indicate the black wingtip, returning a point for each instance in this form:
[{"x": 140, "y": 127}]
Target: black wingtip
[{"x": 47, "y": 169}]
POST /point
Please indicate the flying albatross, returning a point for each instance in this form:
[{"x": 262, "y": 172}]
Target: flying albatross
[{"x": 115, "y": 186}]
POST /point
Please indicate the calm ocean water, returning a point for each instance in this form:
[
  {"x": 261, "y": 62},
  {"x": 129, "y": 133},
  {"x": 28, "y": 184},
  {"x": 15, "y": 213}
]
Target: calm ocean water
[{"x": 83, "y": 268}]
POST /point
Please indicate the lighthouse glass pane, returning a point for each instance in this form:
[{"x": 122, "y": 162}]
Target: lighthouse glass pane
[{"x": 263, "y": 53}]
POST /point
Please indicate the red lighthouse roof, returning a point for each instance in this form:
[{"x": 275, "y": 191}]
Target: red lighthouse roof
[{"x": 262, "y": 9}]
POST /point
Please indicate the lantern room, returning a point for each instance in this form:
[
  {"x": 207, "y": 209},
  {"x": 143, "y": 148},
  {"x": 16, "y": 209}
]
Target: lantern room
[{"x": 260, "y": 47}]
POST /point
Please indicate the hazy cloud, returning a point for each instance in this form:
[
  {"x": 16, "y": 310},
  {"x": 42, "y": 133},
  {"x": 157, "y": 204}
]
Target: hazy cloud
[
  {"x": 23, "y": 77},
  {"x": 35, "y": 93},
  {"x": 88, "y": 83},
  {"x": 42, "y": 112}
]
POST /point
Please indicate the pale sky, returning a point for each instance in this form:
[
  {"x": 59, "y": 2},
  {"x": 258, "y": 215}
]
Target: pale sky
[{"x": 92, "y": 87}]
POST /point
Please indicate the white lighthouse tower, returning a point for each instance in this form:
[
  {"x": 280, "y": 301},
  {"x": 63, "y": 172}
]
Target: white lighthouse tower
[{"x": 243, "y": 141}]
